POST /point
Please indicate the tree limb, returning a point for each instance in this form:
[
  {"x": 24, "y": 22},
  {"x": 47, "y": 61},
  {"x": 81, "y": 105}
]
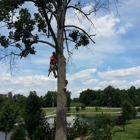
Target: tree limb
[
  {"x": 46, "y": 42},
  {"x": 73, "y": 26}
]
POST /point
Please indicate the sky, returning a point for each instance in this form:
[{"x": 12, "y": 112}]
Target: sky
[{"x": 113, "y": 60}]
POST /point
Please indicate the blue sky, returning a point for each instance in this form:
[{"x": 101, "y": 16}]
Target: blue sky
[{"x": 113, "y": 60}]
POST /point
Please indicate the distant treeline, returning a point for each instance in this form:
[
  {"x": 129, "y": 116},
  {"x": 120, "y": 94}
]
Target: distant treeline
[
  {"x": 110, "y": 97},
  {"x": 48, "y": 100}
]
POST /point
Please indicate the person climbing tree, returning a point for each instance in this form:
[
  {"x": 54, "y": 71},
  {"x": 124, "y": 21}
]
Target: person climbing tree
[{"x": 53, "y": 64}]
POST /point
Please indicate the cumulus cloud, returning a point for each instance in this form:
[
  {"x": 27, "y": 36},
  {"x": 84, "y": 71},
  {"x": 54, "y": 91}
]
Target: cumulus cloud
[
  {"x": 91, "y": 81},
  {"x": 121, "y": 73},
  {"x": 84, "y": 74},
  {"x": 24, "y": 84},
  {"x": 122, "y": 29},
  {"x": 105, "y": 25}
]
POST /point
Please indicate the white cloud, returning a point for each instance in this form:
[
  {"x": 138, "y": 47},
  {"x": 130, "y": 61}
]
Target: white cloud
[
  {"x": 27, "y": 71},
  {"x": 122, "y": 30},
  {"x": 105, "y": 25},
  {"x": 91, "y": 81},
  {"x": 84, "y": 74},
  {"x": 122, "y": 73}
]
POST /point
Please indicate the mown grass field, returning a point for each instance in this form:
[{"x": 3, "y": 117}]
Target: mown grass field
[
  {"x": 90, "y": 110},
  {"x": 132, "y": 131},
  {"x": 87, "y": 110}
]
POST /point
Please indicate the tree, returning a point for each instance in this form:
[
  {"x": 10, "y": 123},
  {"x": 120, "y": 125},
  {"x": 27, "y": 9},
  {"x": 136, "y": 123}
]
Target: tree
[
  {"x": 102, "y": 127},
  {"x": 77, "y": 108},
  {"x": 121, "y": 121},
  {"x": 49, "y": 100},
  {"x": 83, "y": 106},
  {"x": 128, "y": 110},
  {"x": 68, "y": 98},
  {"x": 22, "y": 36},
  {"x": 33, "y": 116},
  {"x": 7, "y": 117}
]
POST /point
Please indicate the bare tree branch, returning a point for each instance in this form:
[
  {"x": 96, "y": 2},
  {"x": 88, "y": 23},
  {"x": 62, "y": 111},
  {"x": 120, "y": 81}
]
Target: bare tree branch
[{"x": 46, "y": 42}]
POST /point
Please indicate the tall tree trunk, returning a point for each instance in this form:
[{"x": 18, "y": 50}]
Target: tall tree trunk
[
  {"x": 61, "y": 123},
  {"x": 61, "y": 101}
]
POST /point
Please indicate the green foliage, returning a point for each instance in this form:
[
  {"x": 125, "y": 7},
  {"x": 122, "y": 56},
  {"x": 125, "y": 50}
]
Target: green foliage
[
  {"x": 18, "y": 133},
  {"x": 49, "y": 100},
  {"x": 121, "y": 121},
  {"x": 68, "y": 109},
  {"x": 68, "y": 98},
  {"x": 128, "y": 110},
  {"x": 77, "y": 108},
  {"x": 7, "y": 117},
  {"x": 97, "y": 108},
  {"x": 104, "y": 120},
  {"x": 102, "y": 128},
  {"x": 100, "y": 133},
  {"x": 83, "y": 106},
  {"x": 79, "y": 38},
  {"x": 78, "y": 129},
  {"x": 33, "y": 117},
  {"x": 110, "y": 97}
]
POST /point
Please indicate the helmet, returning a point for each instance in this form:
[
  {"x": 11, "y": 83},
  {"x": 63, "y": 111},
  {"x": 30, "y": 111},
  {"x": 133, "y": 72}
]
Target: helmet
[{"x": 53, "y": 53}]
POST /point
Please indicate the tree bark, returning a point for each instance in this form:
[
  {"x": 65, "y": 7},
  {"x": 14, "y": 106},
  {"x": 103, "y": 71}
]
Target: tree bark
[
  {"x": 61, "y": 110},
  {"x": 61, "y": 133}
]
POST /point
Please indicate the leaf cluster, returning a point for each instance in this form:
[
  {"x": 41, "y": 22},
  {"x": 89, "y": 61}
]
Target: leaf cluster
[
  {"x": 79, "y": 38},
  {"x": 78, "y": 129}
]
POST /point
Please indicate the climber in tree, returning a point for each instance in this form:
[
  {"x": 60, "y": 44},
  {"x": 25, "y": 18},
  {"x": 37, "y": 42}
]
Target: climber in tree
[{"x": 53, "y": 64}]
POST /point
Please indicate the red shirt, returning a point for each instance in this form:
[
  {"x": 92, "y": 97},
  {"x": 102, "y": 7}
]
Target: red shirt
[{"x": 52, "y": 60}]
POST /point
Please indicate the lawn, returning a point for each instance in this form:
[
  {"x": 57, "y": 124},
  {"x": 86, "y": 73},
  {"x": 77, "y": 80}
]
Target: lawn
[
  {"x": 90, "y": 110},
  {"x": 49, "y": 110},
  {"x": 131, "y": 133}
]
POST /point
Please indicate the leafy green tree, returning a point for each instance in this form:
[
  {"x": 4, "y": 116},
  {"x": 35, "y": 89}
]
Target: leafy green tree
[
  {"x": 33, "y": 116},
  {"x": 68, "y": 98},
  {"x": 87, "y": 96},
  {"x": 24, "y": 33},
  {"x": 128, "y": 110},
  {"x": 78, "y": 129},
  {"x": 68, "y": 109},
  {"x": 83, "y": 106},
  {"x": 7, "y": 117},
  {"x": 20, "y": 102},
  {"x": 102, "y": 127},
  {"x": 103, "y": 120},
  {"x": 2, "y": 99},
  {"x": 100, "y": 133},
  {"x": 97, "y": 108},
  {"x": 121, "y": 121},
  {"x": 49, "y": 99},
  {"x": 77, "y": 108}
]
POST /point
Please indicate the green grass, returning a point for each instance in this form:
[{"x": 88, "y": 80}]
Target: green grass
[
  {"x": 92, "y": 110},
  {"x": 49, "y": 110},
  {"x": 131, "y": 132},
  {"x": 73, "y": 104}
]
